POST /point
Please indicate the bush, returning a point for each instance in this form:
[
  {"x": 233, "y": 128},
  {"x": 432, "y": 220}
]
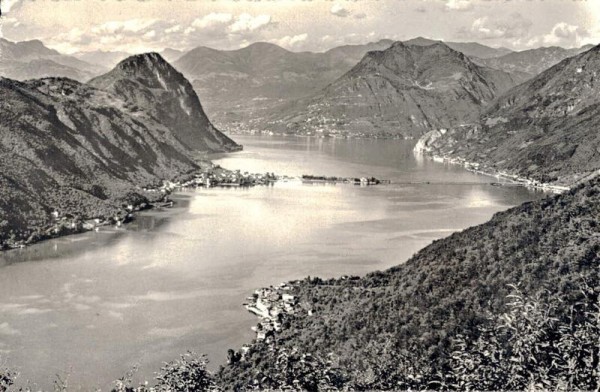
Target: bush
[{"x": 187, "y": 374}]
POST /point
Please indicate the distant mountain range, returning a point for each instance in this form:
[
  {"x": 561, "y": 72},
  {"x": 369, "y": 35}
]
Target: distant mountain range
[
  {"x": 85, "y": 150},
  {"x": 545, "y": 129},
  {"x": 241, "y": 88},
  {"x": 240, "y": 85},
  {"x": 470, "y": 49},
  {"x": 32, "y": 59},
  {"x": 404, "y": 90},
  {"x": 108, "y": 59},
  {"x": 529, "y": 63}
]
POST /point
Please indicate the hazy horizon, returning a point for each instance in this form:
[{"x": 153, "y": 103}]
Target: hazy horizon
[
  {"x": 183, "y": 51},
  {"x": 298, "y": 26}
]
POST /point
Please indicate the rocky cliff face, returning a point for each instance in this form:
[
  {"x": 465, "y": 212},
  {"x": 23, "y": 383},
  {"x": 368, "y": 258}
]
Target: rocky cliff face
[
  {"x": 545, "y": 129},
  {"x": 155, "y": 87},
  {"x": 405, "y": 90},
  {"x": 77, "y": 151}
]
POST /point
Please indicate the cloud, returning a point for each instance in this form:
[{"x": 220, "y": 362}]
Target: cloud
[
  {"x": 515, "y": 26},
  {"x": 174, "y": 29},
  {"x": 247, "y": 23},
  {"x": 27, "y": 311},
  {"x": 291, "y": 42},
  {"x": 150, "y": 35},
  {"x": 222, "y": 29},
  {"x": 360, "y": 15},
  {"x": 212, "y": 20},
  {"x": 225, "y": 23},
  {"x": 9, "y": 22},
  {"x": 329, "y": 41},
  {"x": 138, "y": 35},
  {"x": 564, "y": 34},
  {"x": 459, "y": 5},
  {"x": 125, "y": 26},
  {"x": 11, "y": 5},
  {"x": 339, "y": 10}
]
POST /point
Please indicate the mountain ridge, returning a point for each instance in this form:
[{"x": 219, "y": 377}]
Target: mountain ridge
[
  {"x": 153, "y": 84},
  {"x": 73, "y": 152},
  {"x": 531, "y": 62},
  {"x": 404, "y": 90},
  {"x": 541, "y": 130},
  {"x": 508, "y": 304},
  {"x": 32, "y": 59}
]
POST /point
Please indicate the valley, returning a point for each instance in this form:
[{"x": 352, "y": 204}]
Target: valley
[{"x": 427, "y": 217}]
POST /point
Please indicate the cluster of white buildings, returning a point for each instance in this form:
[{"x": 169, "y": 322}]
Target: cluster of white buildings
[{"x": 271, "y": 304}]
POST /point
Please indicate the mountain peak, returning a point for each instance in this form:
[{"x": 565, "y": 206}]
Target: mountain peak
[
  {"x": 421, "y": 41},
  {"x": 149, "y": 68},
  {"x": 151, "y": 60},
  {"x": 405, "y": 90},
  {"x": 263, "y": 47},
  {"x": 590, "y": 47},
  {"x": 149, "y": 82},
  {"x": 436, "y": 48}
]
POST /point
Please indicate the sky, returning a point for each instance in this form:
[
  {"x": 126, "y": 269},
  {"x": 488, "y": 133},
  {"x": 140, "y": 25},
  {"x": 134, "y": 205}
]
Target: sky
[{"x": 300, "y": 25}]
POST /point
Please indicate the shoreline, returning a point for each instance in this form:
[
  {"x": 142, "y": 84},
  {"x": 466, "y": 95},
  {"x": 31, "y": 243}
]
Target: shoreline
[
  {"x": 70, "y": 224},
  {"x": 211, "y": 177},
  {"x": 271, "y": 323},
  {"x": 475, "y": 167}
]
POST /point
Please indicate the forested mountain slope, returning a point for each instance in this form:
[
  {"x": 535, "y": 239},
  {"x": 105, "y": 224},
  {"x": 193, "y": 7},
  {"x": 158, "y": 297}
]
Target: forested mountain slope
[
  {"x": 531, "y": 62},
  {"x": 546, "y": 129},
  {"x": 511, "y": 304},
  {"x": 71, "y": 152},
  {"x": 405, "y": 90}
]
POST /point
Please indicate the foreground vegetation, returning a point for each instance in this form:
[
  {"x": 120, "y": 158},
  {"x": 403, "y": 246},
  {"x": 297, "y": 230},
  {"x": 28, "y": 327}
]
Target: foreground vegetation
[{"x": 510, "y": 304}]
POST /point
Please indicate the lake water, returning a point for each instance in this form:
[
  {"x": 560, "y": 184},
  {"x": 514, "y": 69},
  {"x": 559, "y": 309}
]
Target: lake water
[{"x": 91, "y": 306}]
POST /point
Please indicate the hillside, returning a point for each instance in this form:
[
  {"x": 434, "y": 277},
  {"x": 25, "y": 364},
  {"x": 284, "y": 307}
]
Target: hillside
[
  {"x": 153, "y": 85},
  {"x": 405, "y": 91},
  {"x": 545, "y": 129},
  {"x": 32, "y": 60},
  {"x": 469, "y": 49},
  {"x": 511, "y": 304},
  {"x": 245, "y": 84},
  {"x": 242, "y": 87},
  {"x": 529, "y": 63},
  {"x": 172, "y": 55},
  {"x": 83, "y": 152}
]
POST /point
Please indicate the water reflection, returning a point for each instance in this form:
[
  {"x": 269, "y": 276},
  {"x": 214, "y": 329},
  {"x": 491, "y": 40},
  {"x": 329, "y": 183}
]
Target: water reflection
[{"x": 96, "y": 304}]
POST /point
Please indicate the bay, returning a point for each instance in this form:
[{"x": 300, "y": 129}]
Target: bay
[{"x": 91, "y": 306}]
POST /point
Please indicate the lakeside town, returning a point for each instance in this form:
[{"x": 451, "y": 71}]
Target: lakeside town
[{"x": 209, "y": 175}]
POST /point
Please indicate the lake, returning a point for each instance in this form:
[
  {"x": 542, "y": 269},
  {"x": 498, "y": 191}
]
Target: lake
[{"x": 90, "y": 307}]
